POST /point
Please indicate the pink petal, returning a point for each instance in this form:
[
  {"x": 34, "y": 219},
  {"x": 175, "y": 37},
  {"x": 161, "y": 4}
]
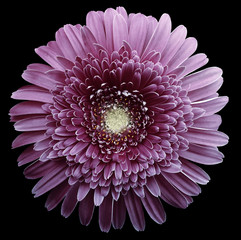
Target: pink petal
[
  {"x": 209, "y": 122},
  {"x": 138, "y": 29},
  {"x": 153, "y": 187},
  {"x": 170, "y": 194},
  {"x": 202, "y": 78},
  {"x": 212, "y": 105},
  {"x": 83, "y": 191},
  {"x": 182, "y": 183}
]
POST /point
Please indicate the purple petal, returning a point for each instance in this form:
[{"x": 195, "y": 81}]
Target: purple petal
[
  {"x": 56, "y": 195},
  {"x": 135, "y": 211},
  {"x": 194, "y": 172},
  {"x": 28, "y": 138},
  {"x": 175, "y": 41},
  {"x": 83, "y": 190},
  {"x": 105, "y": 214},
  {"x": 86, "y": 209},
  {"x": 119, "y": 213},
  {"x": 209, "y": 122},
  {"x": 153, "y": 187},
  {"x": 31, "y": 124},
  {"x": 206, "y": 137},
  {"x": 50, "y": 180},
  {"x": 202, "y": 154},
  {"x": 154, "y": 207},
  {"x": 120, "y": 31},
  {"x": 182, "y": 183},
  {"x": 70, "y": 201}
]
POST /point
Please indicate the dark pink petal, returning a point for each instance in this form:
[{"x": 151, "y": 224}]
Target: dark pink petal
[
  {"x": 153, "y": 187},
  {"x": 105, "y": 213},
  {"x": 86, "y": 209},
  {"x": 154, "y": 207},
  {"x": 119, "y": 213},
  {"x": 135, "y": 211},
  {"x": 70, "y": 201}
]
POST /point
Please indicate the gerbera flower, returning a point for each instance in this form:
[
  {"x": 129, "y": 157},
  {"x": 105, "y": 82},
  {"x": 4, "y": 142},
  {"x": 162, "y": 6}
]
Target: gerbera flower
[{"x": 116, "y": 119}]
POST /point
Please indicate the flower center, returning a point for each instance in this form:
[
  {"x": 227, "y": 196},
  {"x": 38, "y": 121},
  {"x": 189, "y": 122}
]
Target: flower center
[{"x": 116, "y": 119}]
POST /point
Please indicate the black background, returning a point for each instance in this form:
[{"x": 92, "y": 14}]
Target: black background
[{"x": 215, "y": 212}]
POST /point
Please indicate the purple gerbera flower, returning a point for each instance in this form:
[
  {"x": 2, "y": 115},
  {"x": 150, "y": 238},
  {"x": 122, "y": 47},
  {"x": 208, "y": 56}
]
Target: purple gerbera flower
[{"x": 117, "y": 118}]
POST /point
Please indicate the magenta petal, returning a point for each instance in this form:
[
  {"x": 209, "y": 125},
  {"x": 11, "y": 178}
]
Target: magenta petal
[{"x": 83, "y": 191}]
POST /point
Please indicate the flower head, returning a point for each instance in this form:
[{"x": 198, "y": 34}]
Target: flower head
[{"x": 117, "y": 119}]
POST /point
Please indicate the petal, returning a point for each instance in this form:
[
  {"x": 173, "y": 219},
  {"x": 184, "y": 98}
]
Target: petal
[
  {"x": 28, "y": 138},
  {"x": 56, "y": 195},
  {"x": 50, "y": 180},
  {"x": 160, "y": 36},
  {"x": 202, "y": 78},
  {"x": 120, "y": 31},
  {"x": 105, "y": 213},
  {"x": 212, "y": 105},
  {"x": 185, "y": 51},
  {"x": 70, "y": 201},
  {"x": 153, "y": 187},
  {"x": 135, "y": 211},
  {"x": 175, "y": 41},
  {"x": 86, "y": 209},
  {"x": 39, "y": 79},
  {"x": 33, "y": 93},
  {"x": 154, "y": 207},
  {"x": 170, "y": 194},
  {"x": 209, "y": 122},
  {"x": 194, "y": 172},
  {"x": 202, "y": 154},
  {"x": 138, "y": 29},
  {"x": 183, "y": 183},
  {"x": 83, "y": 190},
  {"x": 31, "y": 124},
  {"x": 119, "y": 213}
]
